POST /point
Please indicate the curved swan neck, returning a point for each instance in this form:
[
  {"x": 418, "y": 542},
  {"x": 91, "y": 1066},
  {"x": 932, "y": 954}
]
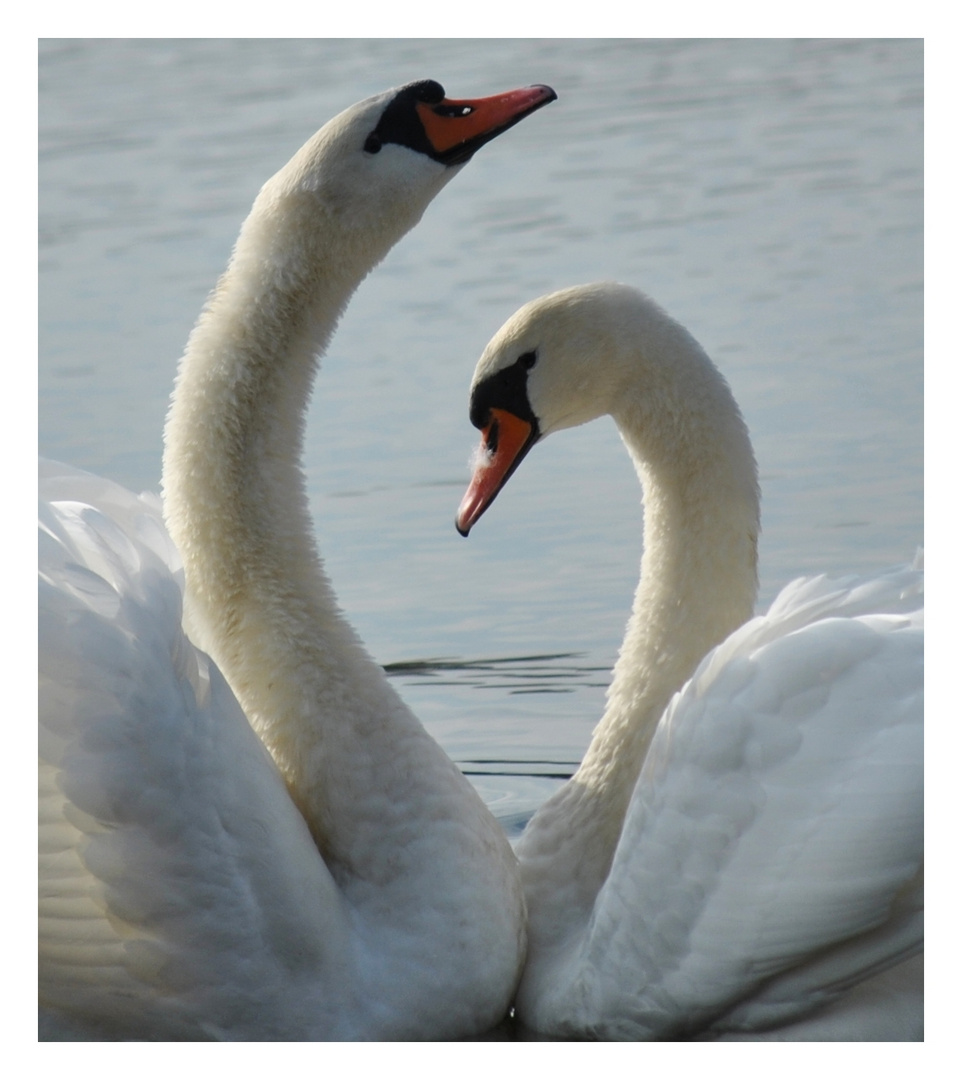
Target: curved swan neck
[
  {"x": 256, "y": 595},
  {"x": 699, "y": 568},
  {"x": 245, "y": 380},
  {"x": 692, "y": 452},
  {"x": 698, "y": 583}
]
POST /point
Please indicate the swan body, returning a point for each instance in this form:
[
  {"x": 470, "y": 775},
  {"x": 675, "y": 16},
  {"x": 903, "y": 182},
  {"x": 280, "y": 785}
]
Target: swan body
[
  {"x": 245, "y": 833},
  {"x": 739, "y": 854}
]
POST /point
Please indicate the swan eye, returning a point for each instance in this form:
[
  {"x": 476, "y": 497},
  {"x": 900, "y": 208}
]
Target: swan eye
[
  {"x": 528, "y": 360},
  {"x": 372, "y": 144},
  {"x": 491, "y": 443},
  {"x": 453, "y": 110}
]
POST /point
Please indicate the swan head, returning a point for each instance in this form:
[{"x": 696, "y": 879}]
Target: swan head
[
  {"x": 580, "y": 353},
  {"x": 375, "y": 167},
  {"x": 548, "y": 368}
]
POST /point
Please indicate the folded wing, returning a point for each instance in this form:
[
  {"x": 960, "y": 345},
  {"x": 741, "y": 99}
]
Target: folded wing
[{"x": 180, "y": 890}]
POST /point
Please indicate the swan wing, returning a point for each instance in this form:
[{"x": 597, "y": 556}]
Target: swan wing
[
  {"x": 180, "y": 892},
  {"x": 770, "y": 860}
]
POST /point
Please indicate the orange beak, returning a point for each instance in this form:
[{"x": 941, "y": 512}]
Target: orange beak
[
  {"x": 504, "y": 442},
  {"x": 457, "y": 128}
]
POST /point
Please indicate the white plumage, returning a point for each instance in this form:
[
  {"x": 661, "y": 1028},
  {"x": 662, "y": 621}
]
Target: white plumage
[
  {"x": 333, "y": 875},
  {"x": 180, "y": 889},
  {"x": 741, "y": 858}
]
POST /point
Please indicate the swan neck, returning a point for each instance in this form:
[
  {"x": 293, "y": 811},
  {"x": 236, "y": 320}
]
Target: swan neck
[
  {"x": 256, "y": 596},
  {"x": 698, "y": 582},
  {"x": 698, "y": 578}
]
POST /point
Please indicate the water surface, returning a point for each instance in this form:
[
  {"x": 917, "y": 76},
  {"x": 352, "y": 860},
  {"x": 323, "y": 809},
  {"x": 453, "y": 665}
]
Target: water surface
[{"x": 767, "y": 193}]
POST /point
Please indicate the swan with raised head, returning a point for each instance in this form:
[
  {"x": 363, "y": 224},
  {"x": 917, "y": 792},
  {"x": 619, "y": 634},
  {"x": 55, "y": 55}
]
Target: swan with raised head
[
  {"x": 739, "y": 853},
  {"x": 346, "y": 882}
]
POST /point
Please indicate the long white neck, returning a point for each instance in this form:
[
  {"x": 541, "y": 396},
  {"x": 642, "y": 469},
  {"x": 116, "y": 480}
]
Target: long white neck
[
  {"x": 357, "y": 763},
  {"x": 427, "y": 884},
  {"x": 694, "y": 459}
]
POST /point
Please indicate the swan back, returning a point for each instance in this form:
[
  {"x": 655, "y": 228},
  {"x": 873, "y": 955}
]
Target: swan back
[{"x": 770, "y": 858}]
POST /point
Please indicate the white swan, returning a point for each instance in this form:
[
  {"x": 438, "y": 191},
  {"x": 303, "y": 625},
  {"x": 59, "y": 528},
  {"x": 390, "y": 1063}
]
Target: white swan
[
  {"x": 189, "y": 886},
  {"x": 744, "y": 857}
]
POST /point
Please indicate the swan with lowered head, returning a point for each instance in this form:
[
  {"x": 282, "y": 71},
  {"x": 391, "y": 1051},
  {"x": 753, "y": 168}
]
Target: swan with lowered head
[
  {"x": 346, "y": 882},
  {"x": 739, "y": 854}
]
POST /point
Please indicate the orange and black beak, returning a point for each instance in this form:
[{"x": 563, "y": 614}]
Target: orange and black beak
[
  {"x": 456, "y": 129},
  {"x": 505, "y": 440},
  {"x": 421, "y": 118}
]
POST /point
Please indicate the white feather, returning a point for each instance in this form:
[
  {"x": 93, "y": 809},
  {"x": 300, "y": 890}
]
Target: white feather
[
  {"x": 333, "y": 875},
  {"x": 740, "y": 852}
]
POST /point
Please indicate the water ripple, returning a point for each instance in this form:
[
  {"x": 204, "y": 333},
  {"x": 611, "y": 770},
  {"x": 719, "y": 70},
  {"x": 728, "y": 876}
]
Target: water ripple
[{"x": 546, "y": 673}]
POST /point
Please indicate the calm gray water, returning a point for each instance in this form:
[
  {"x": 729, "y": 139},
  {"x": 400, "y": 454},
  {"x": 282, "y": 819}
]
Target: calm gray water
[{"x": 767, "y": 193}]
